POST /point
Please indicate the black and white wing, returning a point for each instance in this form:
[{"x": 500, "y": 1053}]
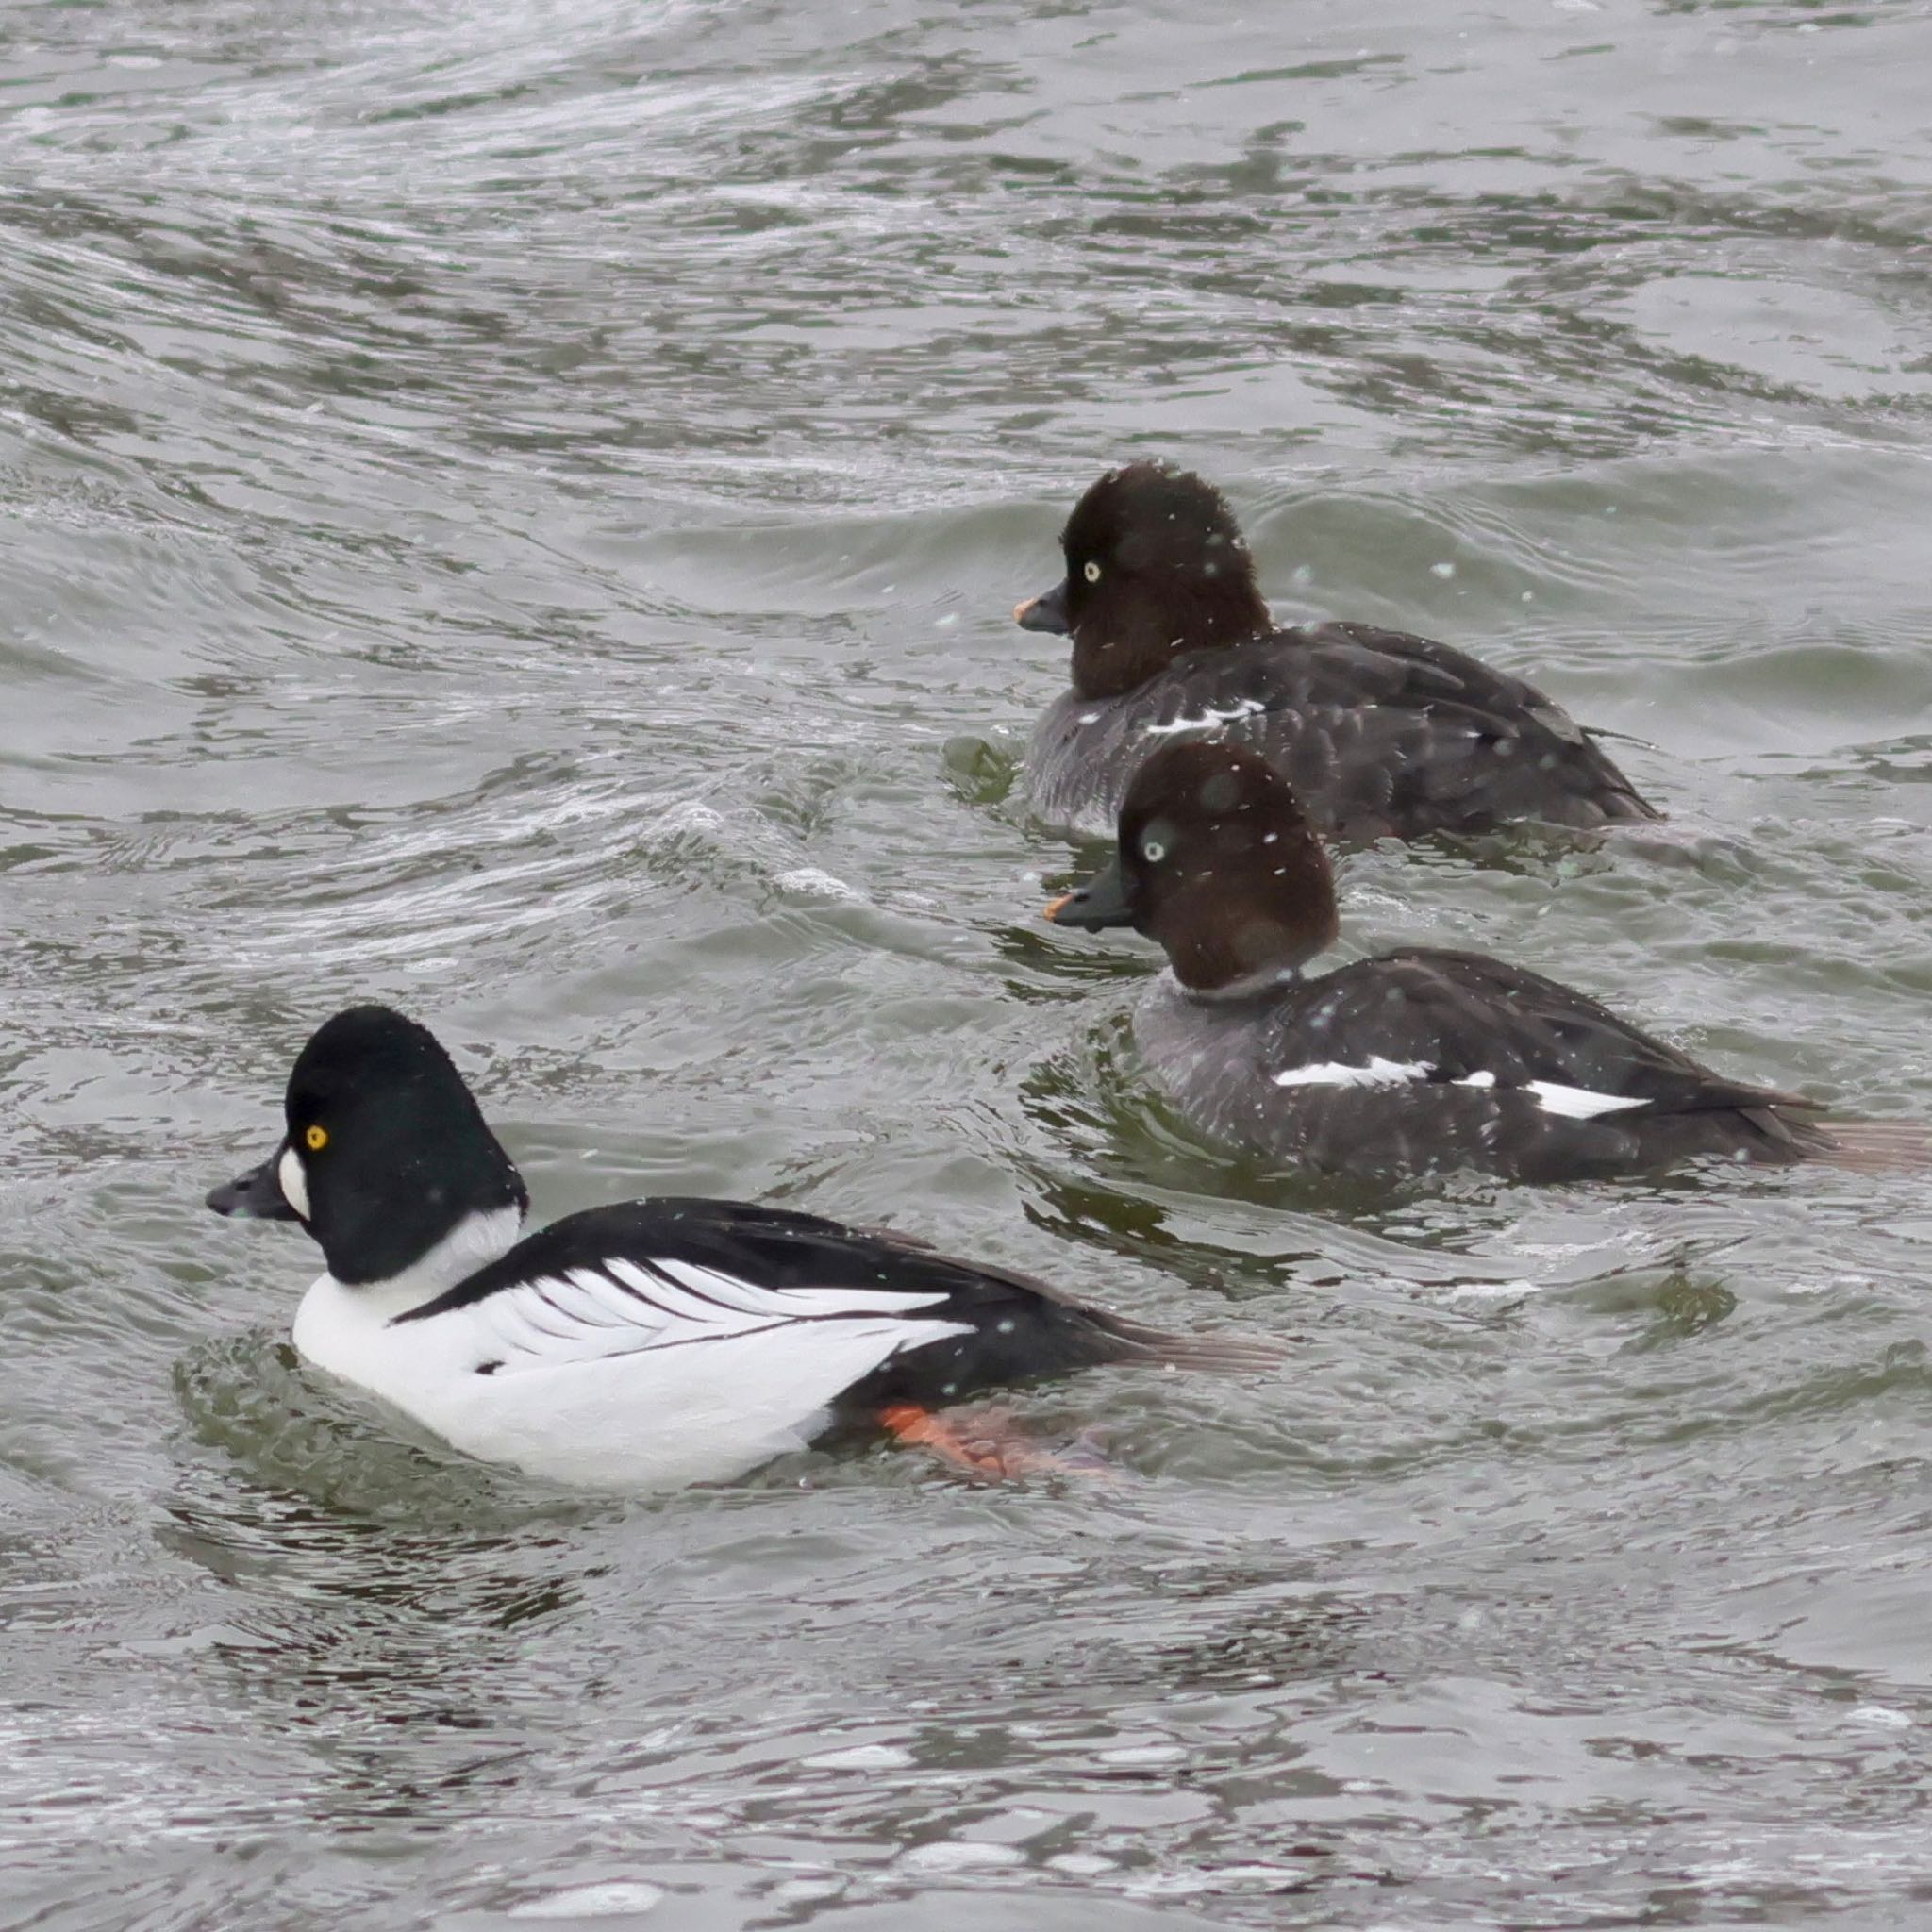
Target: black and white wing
[
  {"x": 1425, "y": 1062},
  {"x": 1382, "y": 733},
  {"x": 673, "y": 1274},
  {"x": 1470, "y": 1020}
]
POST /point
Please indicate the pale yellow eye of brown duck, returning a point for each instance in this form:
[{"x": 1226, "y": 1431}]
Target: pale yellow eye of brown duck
[{"x": 1091, "y": 573}]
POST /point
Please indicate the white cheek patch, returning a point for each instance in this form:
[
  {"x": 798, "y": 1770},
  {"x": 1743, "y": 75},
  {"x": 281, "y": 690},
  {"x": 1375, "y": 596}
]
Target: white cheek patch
[
  {"x": 1378, "y": 1073},
  {"x": 1579, "y": 1103},
  {"x": 292, "y": 1181}
]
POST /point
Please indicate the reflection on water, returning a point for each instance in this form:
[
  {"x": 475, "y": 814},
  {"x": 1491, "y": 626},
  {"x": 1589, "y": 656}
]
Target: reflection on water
[{"x": 513, "y": 510}]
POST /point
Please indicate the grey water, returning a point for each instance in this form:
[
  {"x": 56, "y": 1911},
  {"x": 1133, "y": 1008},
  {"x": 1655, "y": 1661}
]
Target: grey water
[{"x": 513, "y": 509}]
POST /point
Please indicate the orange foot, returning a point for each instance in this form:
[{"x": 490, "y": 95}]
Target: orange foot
[{"x": 987, "y": 1443}]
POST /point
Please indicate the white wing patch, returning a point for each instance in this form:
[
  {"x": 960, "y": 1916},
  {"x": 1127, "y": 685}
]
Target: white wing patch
[
  {"x": 623, "y": 1308},
  {"x": 1579, "y": 1103},
  {"x": 1378, "y": 1073},
  {"x": 1568, "y": 1103},
  {"x": 1210, "y": 719}
]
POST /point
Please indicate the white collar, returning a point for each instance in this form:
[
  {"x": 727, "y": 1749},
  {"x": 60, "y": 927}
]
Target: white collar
[
  {"x": 474, "y": 1242},
  {"x": 1265, "y": 979}
]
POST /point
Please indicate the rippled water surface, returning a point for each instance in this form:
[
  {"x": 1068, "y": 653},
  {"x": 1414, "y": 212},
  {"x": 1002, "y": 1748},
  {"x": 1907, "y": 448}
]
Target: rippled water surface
[{"x": 512, "y": 508}]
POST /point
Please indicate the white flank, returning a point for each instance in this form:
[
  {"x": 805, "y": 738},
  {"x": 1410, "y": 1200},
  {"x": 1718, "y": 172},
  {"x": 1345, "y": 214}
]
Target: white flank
[
  {"x": 1477, "y": 1080},
  {"x": 1378, "y": 1073},
  {"x": 1246, "y": 707},
  {"x": 292, "y": 1181},
  {"x": 1579, "y": 1103},
  {"x": 592, "y": 1378}
]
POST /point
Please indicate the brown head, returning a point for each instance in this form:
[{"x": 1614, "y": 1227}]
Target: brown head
[
  {"x": 1155, "y": 566},
  {"x": 1217, "y": 862}
]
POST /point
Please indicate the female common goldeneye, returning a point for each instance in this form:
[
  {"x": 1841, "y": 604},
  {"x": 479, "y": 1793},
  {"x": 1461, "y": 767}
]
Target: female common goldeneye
[
  {"x": 1380, "y": 733},
  {"x": 1412, "y": 1062},
  {"x": 646, "y": 1346}
]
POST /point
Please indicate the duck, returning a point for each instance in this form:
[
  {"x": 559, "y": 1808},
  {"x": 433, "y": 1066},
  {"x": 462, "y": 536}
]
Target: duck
[
  {"x": 1411, "y": 1064},
  {"x": 1382, "y": 734},
  {"x": 640, "y": 1346}
]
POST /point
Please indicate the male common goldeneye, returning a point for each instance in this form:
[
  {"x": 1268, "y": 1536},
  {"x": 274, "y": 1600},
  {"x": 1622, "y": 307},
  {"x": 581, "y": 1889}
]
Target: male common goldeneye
[
  {"x": 1412, "y": 1062},
  {"x": 1380, "y": 733},
  {"x": 644, "y": 1346}
]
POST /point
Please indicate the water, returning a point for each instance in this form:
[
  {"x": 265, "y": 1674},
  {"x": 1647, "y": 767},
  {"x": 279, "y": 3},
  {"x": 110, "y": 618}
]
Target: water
[{"x": 513, "y": 509}]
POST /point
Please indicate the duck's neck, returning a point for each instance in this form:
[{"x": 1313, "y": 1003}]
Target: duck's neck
[
  {"x": 1110, "y": 660},
  {"x": 1121, "y": 643},
  {"x": 1264, "y": 983},
  {"x": 477, "y": 1240}
]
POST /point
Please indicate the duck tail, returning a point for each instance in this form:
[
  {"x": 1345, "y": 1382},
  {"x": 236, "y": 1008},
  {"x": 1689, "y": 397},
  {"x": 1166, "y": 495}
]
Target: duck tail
[
  {"x": 1225, "y": 1355},
  {"x": 1876, "y": 1146}
]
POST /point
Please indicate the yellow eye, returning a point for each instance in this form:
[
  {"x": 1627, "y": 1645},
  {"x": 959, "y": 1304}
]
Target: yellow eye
[
  {"x": 316, "y": 1138},
  {"x": 1091, "y": 573}
]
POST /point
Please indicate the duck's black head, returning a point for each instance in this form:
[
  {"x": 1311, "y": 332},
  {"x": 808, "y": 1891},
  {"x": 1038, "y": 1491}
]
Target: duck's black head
[
  {"x": 1155, "y": 566},
  {"x": 1217, "y": 862},
  {"x": 387, "y": 1152}
]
